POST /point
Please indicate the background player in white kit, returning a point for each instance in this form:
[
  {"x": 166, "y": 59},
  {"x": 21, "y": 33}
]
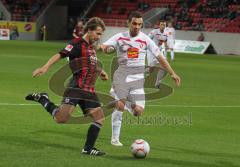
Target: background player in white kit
[
  {"x": 128, "y": 79},
  {"x": 160, "y": 38},
  {"x": 170, "y": 31}
]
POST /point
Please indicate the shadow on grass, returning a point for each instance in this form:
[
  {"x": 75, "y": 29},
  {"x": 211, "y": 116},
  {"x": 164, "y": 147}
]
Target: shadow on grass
[
  {"x": 198, "y": 152},
  {"x": 81, "y": 134},
  {"x": 161, "y": 161},
  {"x": 35, "y": 143}
]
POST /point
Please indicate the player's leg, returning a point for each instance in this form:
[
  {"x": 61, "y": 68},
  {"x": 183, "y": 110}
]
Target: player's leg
[
  {"x": 117, "y": 114},
  {"x": 116, "y": 127},
  {"x": 92, "y": 108},
  {"x": 160, "y": 75},
  {"x": 61, "y": 113},
  {"x": 172, "y": 54},
  {"x": 44, "y": 100},
  {"x": 171, "y": 48},
  {"x": 117, "y": 123},
  {"x": 93, "y": 131},
  {"x": 137, "y": 97}
]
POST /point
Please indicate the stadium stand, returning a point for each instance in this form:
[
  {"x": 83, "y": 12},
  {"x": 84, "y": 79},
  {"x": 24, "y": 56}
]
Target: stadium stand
[
  {"x": 24, "y": 10},
  {"x": 199, "y": 15}
]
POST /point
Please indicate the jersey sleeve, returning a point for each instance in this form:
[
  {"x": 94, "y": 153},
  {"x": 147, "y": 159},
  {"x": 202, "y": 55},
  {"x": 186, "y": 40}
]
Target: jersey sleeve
[
  {"x": 65, "y": 52},
  {"x": 112, "y": 41}
]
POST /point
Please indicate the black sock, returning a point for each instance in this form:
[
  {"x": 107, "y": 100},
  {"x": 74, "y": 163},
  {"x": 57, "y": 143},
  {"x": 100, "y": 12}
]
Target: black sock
[
  {"x": 48, "y": 105},
  {"x": 92, "y": 135}
]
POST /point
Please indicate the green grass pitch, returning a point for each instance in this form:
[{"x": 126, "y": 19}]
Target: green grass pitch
[{"x": 199, "y": 125}]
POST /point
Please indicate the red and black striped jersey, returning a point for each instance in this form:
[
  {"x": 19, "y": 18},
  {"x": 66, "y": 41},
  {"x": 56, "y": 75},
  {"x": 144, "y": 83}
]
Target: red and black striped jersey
[{"x": 83, "y": 63}]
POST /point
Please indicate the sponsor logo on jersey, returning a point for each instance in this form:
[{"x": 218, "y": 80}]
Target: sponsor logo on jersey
[
  {"x": 133, "y": 52},
  {"x": 69, "y": 48}
]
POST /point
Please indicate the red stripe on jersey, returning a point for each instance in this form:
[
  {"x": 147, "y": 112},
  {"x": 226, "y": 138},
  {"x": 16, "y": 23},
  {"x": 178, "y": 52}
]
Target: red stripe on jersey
[
  {"x": 84, "y": 65},
  {"x": 82, "y": 77},
  {"x": 122, "y": 38},
  {"x": 88, "y": 71},
  {"x": 139, "y": 40},
  {"x": 88, "y": 75},
  {"x": 92, "y": 73}
]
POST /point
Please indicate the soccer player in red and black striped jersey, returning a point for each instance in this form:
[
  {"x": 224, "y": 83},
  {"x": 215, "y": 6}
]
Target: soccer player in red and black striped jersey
[{"x": 80, "y": 90}]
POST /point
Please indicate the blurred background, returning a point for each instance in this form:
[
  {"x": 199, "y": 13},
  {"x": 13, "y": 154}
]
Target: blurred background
[{"x": 213, "y": 21}]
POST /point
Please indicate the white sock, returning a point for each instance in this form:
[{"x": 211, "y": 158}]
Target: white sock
[
  {"x": 172, "y": 55},
  {"x": 116, "y": 124}
]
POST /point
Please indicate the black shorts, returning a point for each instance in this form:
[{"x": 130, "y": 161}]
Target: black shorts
[{"x": 86, "y": 100}]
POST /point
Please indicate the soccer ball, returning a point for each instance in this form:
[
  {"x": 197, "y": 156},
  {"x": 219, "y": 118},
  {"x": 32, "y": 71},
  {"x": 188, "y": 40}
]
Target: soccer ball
[{"x": 140, "y": 148}]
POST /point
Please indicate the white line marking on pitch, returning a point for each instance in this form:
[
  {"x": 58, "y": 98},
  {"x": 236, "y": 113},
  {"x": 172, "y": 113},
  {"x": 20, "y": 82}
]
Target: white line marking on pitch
[{"x": 153, "y": 105}]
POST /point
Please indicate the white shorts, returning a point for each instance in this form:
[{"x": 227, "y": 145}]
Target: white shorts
[
  {"x": 136, "y": 96},
  {"x": 170, "y": 43}
]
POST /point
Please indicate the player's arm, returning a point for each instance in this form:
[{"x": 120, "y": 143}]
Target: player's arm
[
  {"x": 42, "y": 70},
  {"x": 108, "y": 49},
  {"x": 102, "y": 74},
  {"x": 110, "y": 45},
  {"x": 155, "y": 50},
  {"x": 55, "y": 58},
  {"x": 169, "y": 69}
]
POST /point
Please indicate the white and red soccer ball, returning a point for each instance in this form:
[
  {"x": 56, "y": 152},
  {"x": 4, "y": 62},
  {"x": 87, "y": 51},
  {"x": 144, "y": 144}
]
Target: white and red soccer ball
[{"x": 140, "y": 148}]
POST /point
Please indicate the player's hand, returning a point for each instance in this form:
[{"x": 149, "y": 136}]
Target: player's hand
[
  {"x": 98, "y": 47},
  {"x": 39, "y": 71},
  {"x": 177, "y": 79},
  {"x": 104, "y": 76},
  {"x": 107, "y": 49},
  {"x": 103, "y": 47}
]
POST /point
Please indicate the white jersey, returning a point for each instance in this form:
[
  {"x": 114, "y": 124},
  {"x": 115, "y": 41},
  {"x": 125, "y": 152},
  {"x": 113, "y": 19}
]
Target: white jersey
[
  {"x": 170, "y": 31},
  {"x": 158, "y": 37},
  {"x": 128, "y": 79},
  {"x": 131, "y": 51}
]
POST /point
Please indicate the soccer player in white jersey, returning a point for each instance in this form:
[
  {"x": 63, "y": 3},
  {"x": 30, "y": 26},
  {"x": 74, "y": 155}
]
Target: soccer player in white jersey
[
  {"x": 159, "y": 37},
  {"x": 170, "y": 31},
  {"x": 128, "y": 79}
]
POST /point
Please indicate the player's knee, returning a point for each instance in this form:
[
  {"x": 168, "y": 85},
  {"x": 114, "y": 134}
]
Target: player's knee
[
  {"x": 61, "y": 120},
  {"x": 138, "y": 110},
  {"x": 120, "y": 105},
  {"x": 98, "y": 116}
]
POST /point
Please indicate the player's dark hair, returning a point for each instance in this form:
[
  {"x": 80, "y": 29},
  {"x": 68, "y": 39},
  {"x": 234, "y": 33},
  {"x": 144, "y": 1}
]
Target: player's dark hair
[
  {"x": 162, "y": 21},
  {"x": 134, "y": 14},
  {"x": 93, "y": 23}
]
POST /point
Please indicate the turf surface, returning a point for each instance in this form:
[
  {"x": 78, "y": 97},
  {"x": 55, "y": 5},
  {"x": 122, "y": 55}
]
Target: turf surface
[{"x": 198, "y": 125}]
